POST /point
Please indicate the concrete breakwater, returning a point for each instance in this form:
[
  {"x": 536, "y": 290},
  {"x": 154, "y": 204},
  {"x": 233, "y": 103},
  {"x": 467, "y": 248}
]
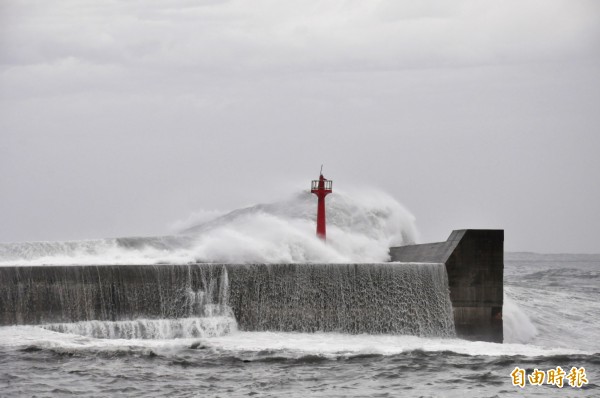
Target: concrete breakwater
[{"x": 398, "y": 298}]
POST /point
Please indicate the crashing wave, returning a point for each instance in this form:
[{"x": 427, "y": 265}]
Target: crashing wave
[{"x": 360, "y": 229}]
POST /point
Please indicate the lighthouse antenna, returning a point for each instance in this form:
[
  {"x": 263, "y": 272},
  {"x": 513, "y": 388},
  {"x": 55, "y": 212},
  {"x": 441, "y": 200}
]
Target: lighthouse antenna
[{"x": 321, "y": 172}]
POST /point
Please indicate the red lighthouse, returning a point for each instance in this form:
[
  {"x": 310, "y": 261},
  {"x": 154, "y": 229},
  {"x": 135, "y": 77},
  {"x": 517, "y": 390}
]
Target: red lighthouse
[{"x": 321, "y": 188}]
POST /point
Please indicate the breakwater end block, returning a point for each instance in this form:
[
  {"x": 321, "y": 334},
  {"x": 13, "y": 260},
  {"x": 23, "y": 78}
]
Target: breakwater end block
[{"x": 474, "y": 260}]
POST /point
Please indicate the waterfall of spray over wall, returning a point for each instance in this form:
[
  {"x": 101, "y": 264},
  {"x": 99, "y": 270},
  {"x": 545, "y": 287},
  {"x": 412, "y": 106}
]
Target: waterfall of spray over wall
[
  {"x": 361, "y": 228},
  {"x": 352, "y": 298},
  {"x": 208, "y": 299},
  {"x": 121, "y": 301}
]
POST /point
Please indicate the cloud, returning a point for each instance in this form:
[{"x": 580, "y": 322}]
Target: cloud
[
  {"x": 214, "y": 53},
  {"x": 125, "y": 111},
  {"x": 245, "y": 37},
  {"x": 174, "y": 47}
]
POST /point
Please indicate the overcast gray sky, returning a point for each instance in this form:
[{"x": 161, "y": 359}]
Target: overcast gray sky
[{"x": 119, "y": 118}]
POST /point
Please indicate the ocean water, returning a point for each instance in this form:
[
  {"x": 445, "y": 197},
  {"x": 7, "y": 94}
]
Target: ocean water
[{"x": 551, "y": 318}]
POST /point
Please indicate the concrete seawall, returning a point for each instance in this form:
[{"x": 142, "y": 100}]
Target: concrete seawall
[
  {"x": 349, "y": 298},
  {"x": 437, "y": 289},
  {"x": 474, "y": 261}
]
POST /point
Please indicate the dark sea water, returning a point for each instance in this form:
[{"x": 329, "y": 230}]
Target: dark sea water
[{"x": 551, "y": 315}]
